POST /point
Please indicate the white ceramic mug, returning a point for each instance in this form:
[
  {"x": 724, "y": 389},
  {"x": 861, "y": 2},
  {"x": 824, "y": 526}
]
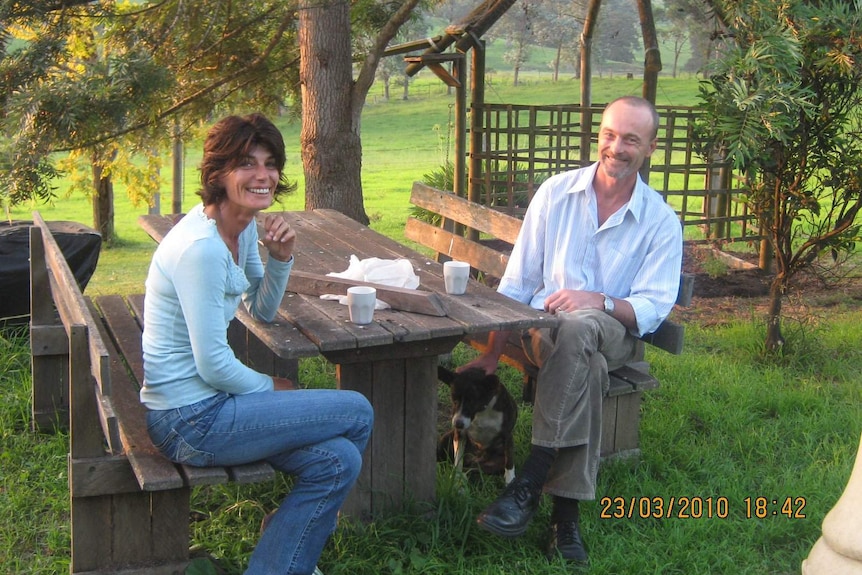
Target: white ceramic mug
[
  {"x": 360, "y": 304},
  {"x": 455, "y": 276}
]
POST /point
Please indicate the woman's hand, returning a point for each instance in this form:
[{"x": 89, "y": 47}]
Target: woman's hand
[{"x": 278, "y": 237}]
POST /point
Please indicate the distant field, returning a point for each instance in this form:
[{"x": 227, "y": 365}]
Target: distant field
[{"x": 402, "y": 141}]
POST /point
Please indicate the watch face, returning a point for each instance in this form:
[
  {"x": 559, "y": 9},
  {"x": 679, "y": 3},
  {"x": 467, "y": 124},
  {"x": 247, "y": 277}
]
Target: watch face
[{"x": 609, "y": 304}]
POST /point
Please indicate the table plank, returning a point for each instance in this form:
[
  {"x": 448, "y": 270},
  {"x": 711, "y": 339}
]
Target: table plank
[{"x": 416, "y": 301}]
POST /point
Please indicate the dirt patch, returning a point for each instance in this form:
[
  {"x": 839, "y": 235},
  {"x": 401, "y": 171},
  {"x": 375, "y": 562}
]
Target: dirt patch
[
  {"x": 716, "y": 277},
  {"x": 727, "y": 288}
]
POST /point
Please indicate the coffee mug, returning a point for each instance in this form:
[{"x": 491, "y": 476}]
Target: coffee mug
[
  {"x": 360, "y": 304},
  {"x": 455, "y": 276}
]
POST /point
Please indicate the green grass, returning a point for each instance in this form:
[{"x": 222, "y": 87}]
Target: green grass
[{"x": 724, "y": 425}]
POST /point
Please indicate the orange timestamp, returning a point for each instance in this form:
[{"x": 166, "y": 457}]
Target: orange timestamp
[{"x": 698, "y": 507}]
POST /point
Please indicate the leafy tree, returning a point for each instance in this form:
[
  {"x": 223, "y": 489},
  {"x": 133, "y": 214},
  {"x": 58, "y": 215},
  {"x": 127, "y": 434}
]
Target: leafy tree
[
  {"x": 391, "y": 69},
  {"x": 784, "y": 105},
  {"x": 104, "y": 80},
  {"x": 687, "y": 23},
  {"x": 562, "y": 23},
  {"x": 619, "y": 33},
  {"x": 107, "y": 78},
  {"x": 517, "y": 29}
]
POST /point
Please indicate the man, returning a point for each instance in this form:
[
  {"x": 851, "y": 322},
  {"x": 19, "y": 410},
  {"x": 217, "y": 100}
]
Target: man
[{"x": 603, "y": 251}]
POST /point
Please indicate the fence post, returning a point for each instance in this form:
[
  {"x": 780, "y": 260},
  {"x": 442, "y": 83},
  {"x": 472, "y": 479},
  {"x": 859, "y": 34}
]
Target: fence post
[{"x": 716, "y": 201}]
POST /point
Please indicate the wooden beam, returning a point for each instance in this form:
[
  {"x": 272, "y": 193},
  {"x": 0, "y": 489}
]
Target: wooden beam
[{"x": 415, "y": 301}]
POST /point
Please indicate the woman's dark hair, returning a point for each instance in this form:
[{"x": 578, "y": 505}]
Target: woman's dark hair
[{"x": 228, "y": 143}]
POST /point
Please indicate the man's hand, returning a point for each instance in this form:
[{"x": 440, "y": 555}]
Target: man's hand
[
  {"x": 489, "y": 360},
  {"x": 283, "y": 384},
  {"x": 572, "y": 300},
  {"x": 278, "y": 237},
  {"x": 485, "y": 362}
]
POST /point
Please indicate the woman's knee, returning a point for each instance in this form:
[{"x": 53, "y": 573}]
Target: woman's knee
[
  {"x": 352, "y": 463},
  {"x": 339, "y": 457},
  {"x": 363, "y": 413},
  {"x": 363, "y": 408}
]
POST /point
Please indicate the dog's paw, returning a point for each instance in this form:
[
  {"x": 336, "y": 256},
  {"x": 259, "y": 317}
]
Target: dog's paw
[{"x": 509, "y": 476}]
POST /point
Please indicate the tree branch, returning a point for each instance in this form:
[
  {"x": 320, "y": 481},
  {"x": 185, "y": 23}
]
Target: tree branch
[
  {"x": 252, "y": 66},
  {"x": 369, "y": 66}
]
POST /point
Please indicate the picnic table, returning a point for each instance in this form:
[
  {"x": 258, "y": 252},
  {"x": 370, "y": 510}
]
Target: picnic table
[{"x": 392, "y": 361}]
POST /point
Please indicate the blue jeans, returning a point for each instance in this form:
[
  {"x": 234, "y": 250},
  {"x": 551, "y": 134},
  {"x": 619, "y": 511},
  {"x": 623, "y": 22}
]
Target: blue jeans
[{"x": 316, "y": 435}]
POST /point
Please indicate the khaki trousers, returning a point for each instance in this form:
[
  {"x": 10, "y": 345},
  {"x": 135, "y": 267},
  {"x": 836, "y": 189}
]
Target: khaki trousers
[{"x": 574, "y": 359}]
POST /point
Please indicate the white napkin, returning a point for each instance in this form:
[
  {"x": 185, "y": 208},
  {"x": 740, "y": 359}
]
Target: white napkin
[{"x": 393, "y": 273}]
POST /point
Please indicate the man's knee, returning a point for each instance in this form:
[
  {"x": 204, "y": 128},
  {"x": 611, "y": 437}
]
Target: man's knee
[{"x": 582, "y": 327}]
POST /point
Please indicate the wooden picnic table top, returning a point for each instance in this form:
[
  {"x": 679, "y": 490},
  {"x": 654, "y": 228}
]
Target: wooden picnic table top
[
  {"x": 393, "y": 360},
  {"x": 325, "y": 241}
]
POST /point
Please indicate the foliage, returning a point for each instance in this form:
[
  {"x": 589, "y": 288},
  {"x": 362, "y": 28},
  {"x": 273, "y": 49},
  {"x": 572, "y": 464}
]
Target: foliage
[
  {"x": 684, "y": 22},
  {"x": 82, "y": 87},
  {"x": 618, "y": 32},
  {"x": 442, "y": 178},
  {"x": 784, "y": 104},
  {"x": 101, "y": 79}
]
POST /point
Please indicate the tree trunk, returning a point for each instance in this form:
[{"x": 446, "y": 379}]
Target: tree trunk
[
  {"x": 177, "y": 182},
  {"x": 330, "y": 138},
  {"x": 774, "y": 339},
  {"x": 103, "y": 203},
  {"x": 557, "y": 59}
]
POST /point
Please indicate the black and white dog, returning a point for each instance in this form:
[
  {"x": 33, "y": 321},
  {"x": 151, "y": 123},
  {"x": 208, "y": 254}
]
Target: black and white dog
[{"x": 483, "y": 418}]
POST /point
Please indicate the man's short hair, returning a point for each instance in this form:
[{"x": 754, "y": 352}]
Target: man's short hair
[{"x": 638, "y": 102}]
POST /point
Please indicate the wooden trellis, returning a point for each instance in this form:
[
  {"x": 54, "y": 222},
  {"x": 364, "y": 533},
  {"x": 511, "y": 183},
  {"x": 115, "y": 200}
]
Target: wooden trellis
[{"x": 523, "y": 145}]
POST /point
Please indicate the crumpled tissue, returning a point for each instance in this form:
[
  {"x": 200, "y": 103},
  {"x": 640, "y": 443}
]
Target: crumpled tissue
[{"x": 394, "y": 273}]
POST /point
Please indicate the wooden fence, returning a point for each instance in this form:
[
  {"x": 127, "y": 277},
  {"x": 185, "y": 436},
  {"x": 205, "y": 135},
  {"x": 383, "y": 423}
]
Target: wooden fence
[{"x": 521, "y": 146}]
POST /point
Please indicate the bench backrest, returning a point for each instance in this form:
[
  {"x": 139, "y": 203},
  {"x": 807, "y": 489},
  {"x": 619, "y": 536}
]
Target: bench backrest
[
  {"x": 103, "y": 406},
  {"x": 669, "y": 335},
  {"x": 54, "y": 285}
]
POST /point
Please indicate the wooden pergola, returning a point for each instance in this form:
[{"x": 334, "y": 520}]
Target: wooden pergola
[{"x": 466, "y": 35}]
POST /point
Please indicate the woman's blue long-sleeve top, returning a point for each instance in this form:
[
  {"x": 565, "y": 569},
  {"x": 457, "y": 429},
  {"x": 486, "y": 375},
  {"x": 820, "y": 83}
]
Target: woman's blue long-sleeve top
[{"x": 193, "y": 289}]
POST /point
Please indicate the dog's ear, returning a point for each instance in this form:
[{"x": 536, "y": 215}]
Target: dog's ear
[{"x": 445, "y": 375}]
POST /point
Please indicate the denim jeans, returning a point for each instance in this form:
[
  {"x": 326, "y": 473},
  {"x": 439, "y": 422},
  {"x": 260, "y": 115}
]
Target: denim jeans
[{"x": 318, "y": 436}]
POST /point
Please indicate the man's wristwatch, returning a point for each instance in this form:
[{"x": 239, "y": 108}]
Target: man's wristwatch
[{"x": 609, "y": 304}]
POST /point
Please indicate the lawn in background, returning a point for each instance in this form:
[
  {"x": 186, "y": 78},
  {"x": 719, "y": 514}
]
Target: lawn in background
[{"x": 402, "y": 141}]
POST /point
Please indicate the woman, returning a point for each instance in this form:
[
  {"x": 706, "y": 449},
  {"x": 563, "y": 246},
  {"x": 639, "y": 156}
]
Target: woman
[{"x": 205, "y": 407}]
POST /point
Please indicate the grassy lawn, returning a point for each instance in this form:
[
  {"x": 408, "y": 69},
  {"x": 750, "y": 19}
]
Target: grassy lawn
[
  {"x": 726, "y": 425},
  {"x": 723, "y": 428}
]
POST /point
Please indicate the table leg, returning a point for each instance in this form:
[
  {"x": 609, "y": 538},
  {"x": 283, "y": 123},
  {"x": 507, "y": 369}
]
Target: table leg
[{"x": 400, "y": 464}]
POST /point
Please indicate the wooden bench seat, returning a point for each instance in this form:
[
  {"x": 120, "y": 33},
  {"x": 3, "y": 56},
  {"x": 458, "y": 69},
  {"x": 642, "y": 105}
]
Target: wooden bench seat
[
  {"x": 130, "y": 506},
  {"x": 483, "y": 237}
]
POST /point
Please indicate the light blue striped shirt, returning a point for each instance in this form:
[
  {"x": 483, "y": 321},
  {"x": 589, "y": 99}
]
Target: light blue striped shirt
[{"x": 636, "y": 255}]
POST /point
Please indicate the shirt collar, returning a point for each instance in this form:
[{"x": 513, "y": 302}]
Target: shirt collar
[{"x": 584, "y": 181}]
